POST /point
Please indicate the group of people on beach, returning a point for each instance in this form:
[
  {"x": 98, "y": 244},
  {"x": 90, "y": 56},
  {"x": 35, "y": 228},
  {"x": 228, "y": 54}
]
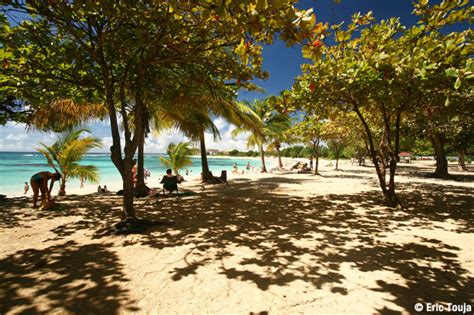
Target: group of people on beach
[
  {"x": 248, "y": 168},
  {"x": 39, "y": 181}
]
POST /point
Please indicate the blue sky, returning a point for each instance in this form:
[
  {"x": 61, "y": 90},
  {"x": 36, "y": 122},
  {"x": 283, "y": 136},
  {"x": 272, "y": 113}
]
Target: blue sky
[{"x": 283, "y": 64}]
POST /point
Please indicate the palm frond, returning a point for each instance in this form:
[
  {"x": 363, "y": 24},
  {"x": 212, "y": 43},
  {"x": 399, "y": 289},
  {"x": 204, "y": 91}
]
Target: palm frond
[
  {"x": 90, "y": 173},
  {"x": 178, "y": 156},
  {"x": 46, "y": 152}
]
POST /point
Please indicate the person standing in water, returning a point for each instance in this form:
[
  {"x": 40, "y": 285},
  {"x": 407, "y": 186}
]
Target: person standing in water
[
  {"x": 39, "y": 182},
  {"x": 26, "y": 188}
]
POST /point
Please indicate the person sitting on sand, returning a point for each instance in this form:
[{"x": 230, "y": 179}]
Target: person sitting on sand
[
  {"x": 39, "y": 182},
  {"x": 26, "y": 188},
  {"x": 105, "y": 189},
  {"x": 304, "y": 169},
  {"x": 99, "y": 189},
  {"x": 170, "y": 182},
  {"x": 296, "y": 166}
]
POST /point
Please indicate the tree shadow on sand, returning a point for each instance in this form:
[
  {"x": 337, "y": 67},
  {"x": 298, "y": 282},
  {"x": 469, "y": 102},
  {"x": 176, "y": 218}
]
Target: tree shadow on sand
[
  {"x": 304, "y": 238},
  {"x": 72, "y": 278},
  {"x": 275, "y": 227}
]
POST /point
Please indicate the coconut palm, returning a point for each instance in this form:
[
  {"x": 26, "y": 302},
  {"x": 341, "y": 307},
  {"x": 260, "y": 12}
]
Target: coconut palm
[
  {"x": 179, "y": 156},
  {"x": 272, "y": 128},
  {"x": 65, "y": 154},
  {"x": 192, "y": 115}
]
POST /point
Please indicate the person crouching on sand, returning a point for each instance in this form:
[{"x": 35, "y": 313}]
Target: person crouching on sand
[{"x": 39, "y": 182}]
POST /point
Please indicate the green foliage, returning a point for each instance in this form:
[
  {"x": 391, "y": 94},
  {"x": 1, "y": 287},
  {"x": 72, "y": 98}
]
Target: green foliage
[
  {"x": 388, "y": 75},
  {"x": 234, "y": 152},
  {"x": 296, "y": 151},
  {"x": 179, "y": 156},
  {"x": 65, "y": 154},
  {"x": 243, "y": 153},
  {"x": 125, "y": 54}
]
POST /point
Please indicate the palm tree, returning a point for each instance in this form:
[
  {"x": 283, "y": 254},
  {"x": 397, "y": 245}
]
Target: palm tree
[
  {"x": 64, "y": 156},
  {"x": 178, "y": 156},
  {"x": 192, "y": 115},
  {"x": 272, "y": 128}
]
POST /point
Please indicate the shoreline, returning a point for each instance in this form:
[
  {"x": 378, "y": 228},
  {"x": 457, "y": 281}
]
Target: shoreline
[
  {"x": 153, "y": 181},
  {"x": 116, "y": 185}
]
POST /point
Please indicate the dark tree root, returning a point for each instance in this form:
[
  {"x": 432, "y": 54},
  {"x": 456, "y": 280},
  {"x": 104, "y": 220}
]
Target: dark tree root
[{"x": 134, "y": 226}]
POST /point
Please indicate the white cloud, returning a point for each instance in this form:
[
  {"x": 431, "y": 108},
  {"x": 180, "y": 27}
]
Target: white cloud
[
  {"x": 159, "y": 144},
  {"x": 15, "y": 126},
  {"x": 221, "y": 124},
  {"x": 16, "y": 136},
  {"x": 104, "y": 122},
  {"x": 227, "y": 142}
]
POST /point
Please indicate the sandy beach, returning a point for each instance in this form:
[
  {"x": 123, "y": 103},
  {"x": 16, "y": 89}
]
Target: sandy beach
[{"x": 275, "y": 243}]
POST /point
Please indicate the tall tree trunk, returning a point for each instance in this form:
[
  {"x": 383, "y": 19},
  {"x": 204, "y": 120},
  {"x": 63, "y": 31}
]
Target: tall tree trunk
[
  {"x": 462, "y": 160},
  {"x": 262, "y": 155},
  {"x": 316, "y": 154},
  {"x": 440, "y": 154},
  {"x": 62, "y": 186},
  {"x": 141, "y": 190},
  {"x": 125, "y": 169},
  {"x": 206, "y": 174},
  {"x": 280, "y": 164},
  {"x": 337, "y": 159},
  {"x": 128, "y": 190}
]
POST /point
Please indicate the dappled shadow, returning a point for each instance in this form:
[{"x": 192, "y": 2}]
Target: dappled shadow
[
  {"x": 276, "y": 227},
  {"x": 427, "y": 171},
  {"x": 72, "y": 278},
  {"x": 95, "y": 210},
  {"x": 295, "y": 238}
]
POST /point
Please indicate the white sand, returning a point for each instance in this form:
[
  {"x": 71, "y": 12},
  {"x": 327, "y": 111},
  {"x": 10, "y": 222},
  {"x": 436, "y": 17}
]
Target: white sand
[{"x": 264, "y": 243}]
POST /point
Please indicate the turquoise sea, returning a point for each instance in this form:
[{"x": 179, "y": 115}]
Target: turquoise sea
[{"x": 18, "y": 167}]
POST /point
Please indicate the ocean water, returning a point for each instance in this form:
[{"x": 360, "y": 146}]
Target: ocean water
[{"x": 18, "y": 167}]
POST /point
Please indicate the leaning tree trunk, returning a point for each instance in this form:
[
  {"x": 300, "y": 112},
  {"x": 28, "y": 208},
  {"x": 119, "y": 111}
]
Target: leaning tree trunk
[
  {"x": 206, "y": 174},
  {"x": 440, "y": 154},
  {"x": 262, "y": 155},
  {"x": 462, "y": 160},
  {"x": 389, "y": 194}
]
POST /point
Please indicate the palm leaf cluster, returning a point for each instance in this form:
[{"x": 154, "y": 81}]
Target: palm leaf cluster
[
  {"x": 272, "y": 126},
  {"x": 71, "y": 113},
  {"x": 65, "y": 154},
  {"x": 179, "y": 156}
]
